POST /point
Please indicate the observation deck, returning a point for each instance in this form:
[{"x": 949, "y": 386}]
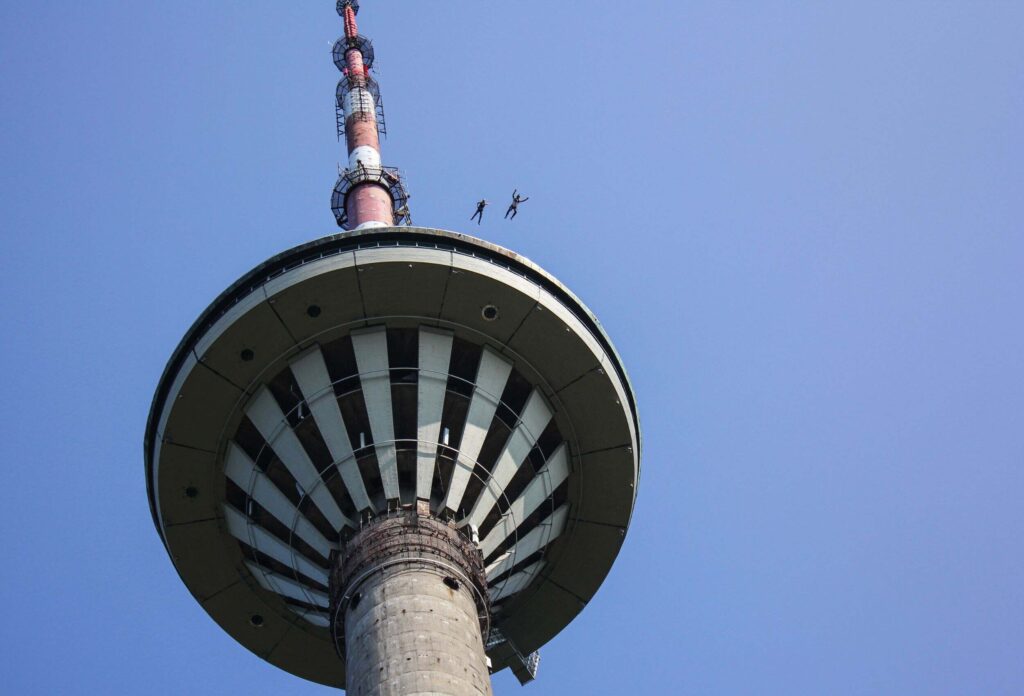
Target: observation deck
[{"x": 376, "y": 371}]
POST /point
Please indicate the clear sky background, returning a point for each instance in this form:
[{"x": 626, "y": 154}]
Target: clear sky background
[{"x": 800, "y": 222}]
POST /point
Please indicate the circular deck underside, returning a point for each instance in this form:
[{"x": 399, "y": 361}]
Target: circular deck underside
[{"x": 367, "y": 371}]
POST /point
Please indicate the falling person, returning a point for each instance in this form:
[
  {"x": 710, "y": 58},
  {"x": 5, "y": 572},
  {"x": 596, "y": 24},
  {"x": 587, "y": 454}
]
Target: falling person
[
  {"x": 514, "y": 207},
  {"x": 479, "y": 214}
]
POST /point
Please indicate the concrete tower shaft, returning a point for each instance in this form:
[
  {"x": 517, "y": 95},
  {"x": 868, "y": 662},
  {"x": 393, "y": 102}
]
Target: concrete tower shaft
[
  {"x": 409, "y": 609},
  {"x": 403, "y": 446}
]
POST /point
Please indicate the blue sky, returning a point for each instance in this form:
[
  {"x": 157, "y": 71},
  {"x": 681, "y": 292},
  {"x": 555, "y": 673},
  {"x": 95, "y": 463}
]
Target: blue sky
[{"x": 800, "y": 222}]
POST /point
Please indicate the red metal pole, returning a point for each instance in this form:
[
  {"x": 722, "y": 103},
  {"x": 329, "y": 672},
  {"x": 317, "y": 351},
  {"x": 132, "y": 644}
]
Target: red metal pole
[{"x": 367, "y": 202}]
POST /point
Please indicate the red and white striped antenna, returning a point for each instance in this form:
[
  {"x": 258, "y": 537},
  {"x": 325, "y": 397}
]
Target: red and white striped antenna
[{"x": 367, "y": 194}]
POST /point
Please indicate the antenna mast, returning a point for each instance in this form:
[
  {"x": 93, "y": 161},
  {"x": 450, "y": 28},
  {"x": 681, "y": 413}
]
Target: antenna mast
[{"x": 367, "y": 193}]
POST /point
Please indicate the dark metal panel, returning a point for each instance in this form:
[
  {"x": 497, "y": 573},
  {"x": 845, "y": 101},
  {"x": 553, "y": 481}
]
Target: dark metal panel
[
  {"x": 585, "y": 557},
  {"x": 540, "y": 616},
  {"x": 312, "y": 299},
  {"x": 199, "y": 409},
  {"x": 208, "y": 561},
  {"x": 472, "y": 289},
  {"x": 403, "y": 282},
  {"x": 608, "y": 480},
  {"x": 600, "y": 420},
  {"x": 307, "y": 651},
  {"x": 553, "y": 347},
  {"x": 190, "y": 485},
  {"x": 254, "y": 617},
  {"x": 247, "y": 346}
]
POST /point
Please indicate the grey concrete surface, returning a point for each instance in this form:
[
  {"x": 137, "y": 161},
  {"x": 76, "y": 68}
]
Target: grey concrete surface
[{"x": 411, "y": 634}]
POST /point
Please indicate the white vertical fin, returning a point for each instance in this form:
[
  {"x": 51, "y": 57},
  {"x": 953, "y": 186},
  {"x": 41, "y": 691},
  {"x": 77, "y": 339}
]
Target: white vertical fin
[
  {"x": 515, "y": 583},
  {"x": 539, "y": 537},
  {"x": 286, "y": 587},
  {"x": 242, "y": 528},
  {"x": 371, "y": 349},
  {"x": 550, "y": 477},
  {"x": 435, "y": 357},
  {"x": 266, "y": 415},
  {"x": 535, "y": 417},
  {"x": 241, "y": 469},
  {"x": 314, "y": 617},
  {"x": 314, "y": 380},
  {"x": 490, "y": 383}
]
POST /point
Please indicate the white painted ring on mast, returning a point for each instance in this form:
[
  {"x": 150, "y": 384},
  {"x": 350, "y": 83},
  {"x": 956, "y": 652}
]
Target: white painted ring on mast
[
  {"x": 366, "y": 154},
  {"x": 358, "y": 100}
]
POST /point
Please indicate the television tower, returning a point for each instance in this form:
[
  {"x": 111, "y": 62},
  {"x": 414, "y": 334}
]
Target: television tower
[{"x": 395, "y": 459}]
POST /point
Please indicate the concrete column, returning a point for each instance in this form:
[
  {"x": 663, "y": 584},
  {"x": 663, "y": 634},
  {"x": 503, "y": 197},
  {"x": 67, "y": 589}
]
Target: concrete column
[{"x": 408, "y": 604}]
